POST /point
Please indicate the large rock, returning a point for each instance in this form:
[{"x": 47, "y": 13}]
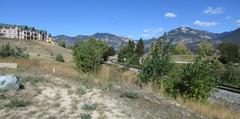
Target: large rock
[{"x": 9, "y": 82}]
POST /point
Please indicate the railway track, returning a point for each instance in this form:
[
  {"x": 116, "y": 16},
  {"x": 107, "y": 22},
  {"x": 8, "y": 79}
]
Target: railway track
[{"x": 228, "y": 88}]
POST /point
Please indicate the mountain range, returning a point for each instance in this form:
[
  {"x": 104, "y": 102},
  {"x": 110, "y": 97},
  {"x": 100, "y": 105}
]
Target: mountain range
[
  {"x": 186, "y": 34},
  {"x": 110, "y": 39}
]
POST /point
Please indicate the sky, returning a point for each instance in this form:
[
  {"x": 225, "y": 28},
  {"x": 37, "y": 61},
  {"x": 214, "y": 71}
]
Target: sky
[{"x": 129, "y": 18}]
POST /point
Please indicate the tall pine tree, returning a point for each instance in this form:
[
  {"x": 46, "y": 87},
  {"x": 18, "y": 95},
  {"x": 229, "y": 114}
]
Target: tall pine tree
[
  {"x": 140, "y": 47},
  {"x": 131, "y": 47}
]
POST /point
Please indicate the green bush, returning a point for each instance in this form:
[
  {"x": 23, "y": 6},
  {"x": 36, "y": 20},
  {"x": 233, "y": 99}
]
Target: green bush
[
  {"x": 198, "y": 79},
  {"x": 88, "y": 55},
  {"x": 91, "y": 107},
  {"x": 229, "y": 53},
  {"x": 171, "y": 87},
  {"x": 8, "y": 51},
  {"x": 230, "y": 75},
  {"x": 85, "y": 116},
  {"x": 205, "y": 48},
  {"x": 158, "y": 63},
  {"x": 181, "y": 49},
  {"x": 109, "y": 52},
  {"x": 131, "y": 95},
  {"x": 60, "y": 58},
  {"x": 134, "y": 60}
]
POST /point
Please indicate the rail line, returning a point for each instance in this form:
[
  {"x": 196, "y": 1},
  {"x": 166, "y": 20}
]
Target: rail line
[
  {"x": 138, "y": 68},
  {"x": 228, "y": 88}
]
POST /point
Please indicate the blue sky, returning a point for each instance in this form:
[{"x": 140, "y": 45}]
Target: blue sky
[{"x": 132, "y": 18}]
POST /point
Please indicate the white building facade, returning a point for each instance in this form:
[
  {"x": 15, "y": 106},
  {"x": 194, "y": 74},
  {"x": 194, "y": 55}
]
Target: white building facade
[{"x": 22, "y": 32}]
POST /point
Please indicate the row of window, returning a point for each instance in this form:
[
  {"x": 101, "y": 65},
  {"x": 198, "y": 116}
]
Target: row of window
[{"x": 2, "y": 31}]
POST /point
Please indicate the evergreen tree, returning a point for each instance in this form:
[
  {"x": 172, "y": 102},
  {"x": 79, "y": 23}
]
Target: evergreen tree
[
  {"x": 140, "y": 47},
  {"x": 111, "y": 51},
  {"x": 131, "y": 47},
  {"x": 123, "y": 54}
]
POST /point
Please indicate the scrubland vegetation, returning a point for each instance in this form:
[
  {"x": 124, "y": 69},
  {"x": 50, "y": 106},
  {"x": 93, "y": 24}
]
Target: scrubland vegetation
[
  {"x": 84, "y": 87},
  {"x": 8, "y": 51},
  {"x": 192, "y": 82}
]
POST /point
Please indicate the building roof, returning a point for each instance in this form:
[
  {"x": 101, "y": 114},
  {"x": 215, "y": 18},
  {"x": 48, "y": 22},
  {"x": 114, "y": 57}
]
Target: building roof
[
  {"x": 22, "y": 27},
  {"x": 6, "y": 25}
]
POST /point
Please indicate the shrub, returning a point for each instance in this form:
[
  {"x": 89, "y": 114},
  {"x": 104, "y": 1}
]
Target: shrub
[
  {"x": 230, "y": 75},
  {"x": 229, "y": 53},
  {"x": 85, "y": 116},
  {"x": 7, "y": 51},
  {"x": 109, "y": 52},
  {"x": 198, "y": 78},
  {"x": 205, "y": 48},
  {"x": 62, "y": 43},
  {"x": 171, "y": 87},
  {"x": 90, "y": 106},
  {"x": 17, "y": 103},
  {"x": 88, "y": 55},
  {"x": 181, "y": 49},
  {"x": 131, "y": 95},
  {"x": 32, "y": 80},
  {"x": 134, "y": 60},
  {"x": 20, "y": 52},
  {"x": 60, "y": 58},
  {"x": 158, "y": 63}
]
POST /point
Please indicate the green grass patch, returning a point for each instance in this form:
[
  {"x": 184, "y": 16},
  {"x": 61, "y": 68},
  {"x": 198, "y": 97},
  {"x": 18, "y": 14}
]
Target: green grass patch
[
  {"x": 131, "y": 95},
  {"x": 14, "y": 103},
  {"x": 90, "y": 107},
  {"x": 85, "y": 116},
  {"x": 32, "y": 80}
]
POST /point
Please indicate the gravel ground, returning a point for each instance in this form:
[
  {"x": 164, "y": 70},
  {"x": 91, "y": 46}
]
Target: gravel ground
[{"x": 226, "y": 98}]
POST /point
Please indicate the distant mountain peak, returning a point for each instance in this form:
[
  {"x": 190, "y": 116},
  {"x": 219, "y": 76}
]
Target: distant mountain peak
[{"x": 110, "y": 39}]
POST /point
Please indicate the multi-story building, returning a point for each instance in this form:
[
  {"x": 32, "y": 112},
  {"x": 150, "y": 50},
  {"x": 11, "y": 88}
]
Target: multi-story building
[{"x": 22, "y": 32}]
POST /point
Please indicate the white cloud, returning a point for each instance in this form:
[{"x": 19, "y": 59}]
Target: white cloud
[
  {"x": 212, "y": 10},
  {"x": 238, "y": 22},
  {"x": 205, "y": 23},
  {"x": 233, "y": 20},
  {"x": 152, "y": 32},
  {"x": 170, "y": 15}
]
